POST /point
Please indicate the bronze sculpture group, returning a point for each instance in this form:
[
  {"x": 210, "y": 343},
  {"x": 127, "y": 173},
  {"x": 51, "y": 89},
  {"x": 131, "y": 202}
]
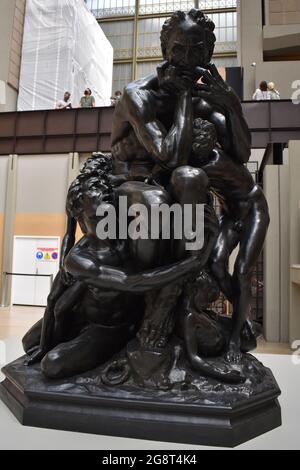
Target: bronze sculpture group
[{"x": 179, "y": 136}]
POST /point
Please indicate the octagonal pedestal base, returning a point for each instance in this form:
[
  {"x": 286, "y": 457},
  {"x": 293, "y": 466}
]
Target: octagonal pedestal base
[{"x": 83, "y": 404}]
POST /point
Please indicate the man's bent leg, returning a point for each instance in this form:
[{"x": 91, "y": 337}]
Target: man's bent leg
[
  {"x": 90, "y": 349},
  {"x": 32, "y": 338}
]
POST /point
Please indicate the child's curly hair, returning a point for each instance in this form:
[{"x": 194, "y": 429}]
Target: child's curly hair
[{"x": 92, "y": 182}]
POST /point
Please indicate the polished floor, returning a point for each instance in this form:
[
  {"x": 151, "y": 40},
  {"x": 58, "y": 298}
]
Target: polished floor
[
  {"x": 13, "y": 436},
  {"x": 15, "y": 321}
]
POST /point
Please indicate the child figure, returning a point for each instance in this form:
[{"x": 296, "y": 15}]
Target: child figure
[{"x": 244, "y": 222}]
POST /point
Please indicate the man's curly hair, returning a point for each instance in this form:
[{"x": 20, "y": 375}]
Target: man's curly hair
[
  {"x": 91, "y": 183},
  {"x": 198, "y": 17}
]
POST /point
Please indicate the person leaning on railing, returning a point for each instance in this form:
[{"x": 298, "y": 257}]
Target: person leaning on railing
[
  {"x": 262, "y": 92},
  {"x": 273, "y": 93},
  {"x": 88, "y": 100},
  {"x": 65, "y": 103}
]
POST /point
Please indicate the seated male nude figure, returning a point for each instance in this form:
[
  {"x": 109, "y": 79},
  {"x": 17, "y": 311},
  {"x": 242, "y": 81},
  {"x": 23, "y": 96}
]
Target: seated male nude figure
[{"x": 153, "y": 123}]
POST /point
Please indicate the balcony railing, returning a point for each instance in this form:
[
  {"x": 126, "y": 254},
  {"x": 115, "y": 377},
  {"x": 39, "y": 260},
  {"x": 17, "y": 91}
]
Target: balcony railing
[{"x": 88, "y": 130}]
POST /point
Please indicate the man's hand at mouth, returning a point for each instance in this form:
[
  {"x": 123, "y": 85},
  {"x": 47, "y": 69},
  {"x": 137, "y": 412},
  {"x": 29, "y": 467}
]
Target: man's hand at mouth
[{"x": 175, "y": 79}]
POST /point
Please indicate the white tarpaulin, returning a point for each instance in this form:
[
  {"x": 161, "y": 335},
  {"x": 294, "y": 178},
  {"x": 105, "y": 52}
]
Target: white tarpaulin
[{"x": 64, "y": 49}]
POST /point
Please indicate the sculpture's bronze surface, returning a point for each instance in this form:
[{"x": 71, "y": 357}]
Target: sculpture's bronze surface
[{"x": 138, "y": 310}]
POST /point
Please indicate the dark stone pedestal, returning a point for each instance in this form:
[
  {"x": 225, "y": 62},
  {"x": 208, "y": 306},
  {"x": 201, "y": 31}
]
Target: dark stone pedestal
[{"x": 205, "y": 414}]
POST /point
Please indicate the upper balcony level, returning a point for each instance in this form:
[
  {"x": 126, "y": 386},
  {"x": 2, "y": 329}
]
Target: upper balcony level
[{"x": 88, "y": 130}]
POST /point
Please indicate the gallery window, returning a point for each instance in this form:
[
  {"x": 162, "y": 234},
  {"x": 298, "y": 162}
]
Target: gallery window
[{"x": 133, "y": 28}]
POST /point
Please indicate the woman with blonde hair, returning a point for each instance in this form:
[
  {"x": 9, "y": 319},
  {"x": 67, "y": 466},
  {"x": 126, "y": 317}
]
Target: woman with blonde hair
[{"x": 274, "y": 94}]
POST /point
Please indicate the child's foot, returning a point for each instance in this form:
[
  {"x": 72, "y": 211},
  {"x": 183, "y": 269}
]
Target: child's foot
[{"x": 233, "y": 354}]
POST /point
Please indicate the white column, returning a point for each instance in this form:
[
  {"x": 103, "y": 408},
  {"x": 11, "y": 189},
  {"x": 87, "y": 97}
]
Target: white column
[
  {"x": 8, "y": 229},
  {"x": 272, "y": 257},
  {"x": 251, "y": 42},
  {"x": 294, "y": 163}
]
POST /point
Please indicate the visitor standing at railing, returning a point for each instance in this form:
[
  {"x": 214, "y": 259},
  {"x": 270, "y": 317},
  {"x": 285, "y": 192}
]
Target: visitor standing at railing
[
  {"x": 273, "y": 93},
  {"x": 262, "y": 92},
  {"x": 88, "y": 100},
  {"x": 65, "y": 103}
]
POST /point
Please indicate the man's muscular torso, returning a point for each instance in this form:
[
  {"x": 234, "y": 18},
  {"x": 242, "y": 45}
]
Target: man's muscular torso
[
  {"x": 100, "y": 306},
  {"x": 128, "y": 149}
]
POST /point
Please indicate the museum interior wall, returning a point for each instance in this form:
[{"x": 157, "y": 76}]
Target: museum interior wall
[
  {"x": 41, "y": 193},
  {"x": 294, "y": 234},
  {"x": 273, "y": 63},
  {"x": 32, "y": 200},
  {"x": 276, "y": 255},
  {"x": 282, "y": 252}
]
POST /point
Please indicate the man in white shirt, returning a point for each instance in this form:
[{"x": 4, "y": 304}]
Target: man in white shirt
[{"x": 65, "y": 103}]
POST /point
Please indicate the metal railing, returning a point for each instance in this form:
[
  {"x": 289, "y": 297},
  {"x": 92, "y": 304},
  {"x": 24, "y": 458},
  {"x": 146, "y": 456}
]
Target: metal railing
[{"x": 89, "y": 130}]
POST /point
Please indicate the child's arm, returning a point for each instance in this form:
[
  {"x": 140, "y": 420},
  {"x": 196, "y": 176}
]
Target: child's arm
[
  {"x": 68, "y": 240},
  {"x": 118, "y": 279}
]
